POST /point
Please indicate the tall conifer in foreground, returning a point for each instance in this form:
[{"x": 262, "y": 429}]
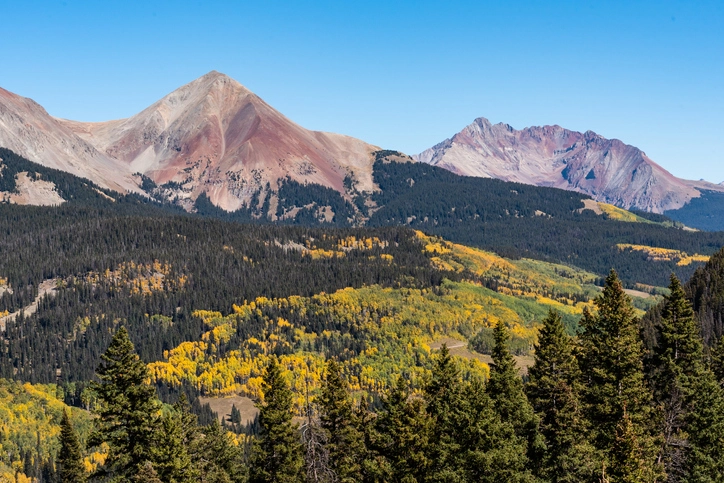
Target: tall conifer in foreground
[
  {"x": 506, "y": 390},
  {"x": 400, "y": 438},
  {"x": 277, "y": 455},
  {"x": 554, "y": 392},
  {"x": 618, "y": 401},
  {"x": 492, "y": 452},
  {"x": 219, "y": 459},
  {"x": 678, "y": 364},
  {"x": 717, "y": 360},
  {"x": 70, "y": 457},
  {"x": 127, "y": 409},
  {"x": 171, "y": 457},
  {"x": 692, "y": 399},
  {"x": 344, "y": 442},
  {"x": 444, "y": 398}
]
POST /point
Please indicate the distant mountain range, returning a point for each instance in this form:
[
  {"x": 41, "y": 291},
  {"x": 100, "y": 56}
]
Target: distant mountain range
[
  {"x": 606, "y": 169},
  {"x": 214, "y": 137}
]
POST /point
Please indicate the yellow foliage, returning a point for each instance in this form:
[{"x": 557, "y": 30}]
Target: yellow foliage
[
  {"x": 657, "y": 254},
  {"x": 30, "y": 422},
  {"x": 96, "y": 459},
  {"x": 552, "y": 284},
  {"x": 619, "y": 214},
  {"x": 352, "y": 243},
  {"x": 140, "y": 278},
  {"x": 395, "y": 325}
]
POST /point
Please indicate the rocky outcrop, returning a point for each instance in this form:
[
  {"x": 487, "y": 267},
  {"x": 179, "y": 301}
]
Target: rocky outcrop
[{"x": 607, "y": 169}]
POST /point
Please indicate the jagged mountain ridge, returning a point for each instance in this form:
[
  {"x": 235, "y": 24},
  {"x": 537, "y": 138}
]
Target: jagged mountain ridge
[
  {"x": 607, "y": 169},
  {"x": 214, "y": 136}
]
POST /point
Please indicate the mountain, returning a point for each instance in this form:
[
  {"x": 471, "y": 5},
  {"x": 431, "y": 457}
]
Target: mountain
[
  {"x": 28, "y": 130},
  {"x": 214, "y": 136},
  {"x": 607, "y": 169}
]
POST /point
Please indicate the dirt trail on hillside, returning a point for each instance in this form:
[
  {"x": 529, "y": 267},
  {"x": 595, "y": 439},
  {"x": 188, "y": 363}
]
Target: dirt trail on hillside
[{"x": 45, "y": 288}]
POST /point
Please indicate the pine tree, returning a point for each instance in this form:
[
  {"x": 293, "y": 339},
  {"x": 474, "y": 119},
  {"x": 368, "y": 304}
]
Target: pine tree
[
  {"x": 277, "y": 456},
  {"x": 70, "y": 457},
  {"x": 401, "y": 437},
  {"x": 373, "y": 465},
  {"x": 344, "y": 441},
  {"x": 127, "y": 409},
  {"x": 613, "y": 377},
  {"x": 493, "y": 453},
  {"x": 171, "y": 458},
  {"x": 506, "y": 391},
  {"x": 678, "y": 364},
  {"x": 443, "y": 397},
  {"x": 218, "y": 459},
  {"x": 705, "y": 429},
  {"x": 717, "y": 360},
  {"x": 146, "y": 473},
  {"x": 554, "y": 392}
]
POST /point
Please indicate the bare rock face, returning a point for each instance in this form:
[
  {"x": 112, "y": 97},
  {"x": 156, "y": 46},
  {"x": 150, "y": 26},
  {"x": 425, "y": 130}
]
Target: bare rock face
[
  {"x": 36, "y": 192},
  {"x": 28, "y": 130},
  {"x": 214, "y": 136},
  {"x": 607, "y": 169}
]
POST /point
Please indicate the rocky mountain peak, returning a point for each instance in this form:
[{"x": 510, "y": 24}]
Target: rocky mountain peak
[
  {"x": 215, "y": 136},
  {"x": 607, "y": 169}
]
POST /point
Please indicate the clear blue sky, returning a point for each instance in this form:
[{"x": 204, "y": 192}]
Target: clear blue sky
[{"x": 402, "y": 75}]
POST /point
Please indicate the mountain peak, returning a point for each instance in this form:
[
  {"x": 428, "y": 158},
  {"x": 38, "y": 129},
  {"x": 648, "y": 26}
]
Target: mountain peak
[
  {"x": 607, "y": 169},
  {"x": 215, "y": 136}
]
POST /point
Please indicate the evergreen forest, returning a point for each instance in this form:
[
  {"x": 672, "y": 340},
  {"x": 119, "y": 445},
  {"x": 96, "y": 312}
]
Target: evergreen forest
[{"x": 442, "y": 329}]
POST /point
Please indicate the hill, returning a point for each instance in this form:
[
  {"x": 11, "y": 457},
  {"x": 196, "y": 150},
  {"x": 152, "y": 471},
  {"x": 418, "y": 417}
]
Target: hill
[{"x": 28, "y": 130}]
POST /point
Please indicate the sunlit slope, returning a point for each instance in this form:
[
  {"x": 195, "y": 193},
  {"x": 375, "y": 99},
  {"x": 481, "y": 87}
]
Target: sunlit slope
[
  {"x": 377, "y": 333},
  {"x": 29, "y": 427},
  {"x": 657, "y": 254}
]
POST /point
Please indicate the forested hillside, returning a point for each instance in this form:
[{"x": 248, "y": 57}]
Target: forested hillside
[
  {"x": 518, "y": 220},
  {"x": 510, "y": 219},
  {"x": 151, "y": 274},
  {"x": 339, "y": 327},
  {"x": 591, "y": 410}
]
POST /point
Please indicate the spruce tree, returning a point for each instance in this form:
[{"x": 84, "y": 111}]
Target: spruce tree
[
  {"x": 401, "y": 437},
  {"x": 345, "y": 444},
  {"x": 717, "y": 360},
  {"x": 443, "y": 397},
  {"x": 70, "y": 457},
  {"x": 615, "y": 389},
  {"x": 705, "y": 429},
  {"x": 492, "y": 452},
  {"x": 126, "y": 409},
  {"x": 277, "y": 456},
  {"x": 218, "y": 458},
  {"x": 373, "y": 464},
  {"x": 554, "y": 392},
  {"x": 678, "y": 364},
  {"x": 506, "y": 390},
  {"x": 171, "y": 458}
]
